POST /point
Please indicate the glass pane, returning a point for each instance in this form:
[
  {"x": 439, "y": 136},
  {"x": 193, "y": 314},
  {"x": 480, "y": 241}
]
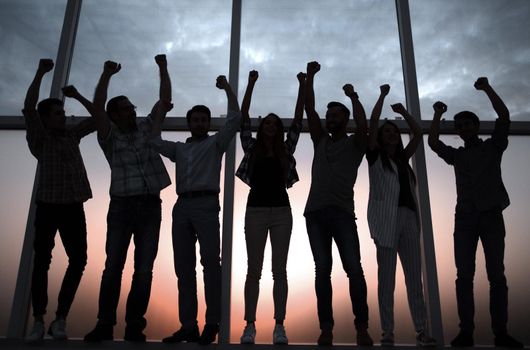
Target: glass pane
[
  {"x": 355, "y": 42},
  {"x": 29, "y": 30},
  {"x": 16, "y": 184},
  {"x": 455, "y": 42},
  {"x": 197, "y": 46},
  {"x": 442, "y": 192}
]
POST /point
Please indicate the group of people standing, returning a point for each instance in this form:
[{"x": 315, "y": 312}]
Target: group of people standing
[{"x": 133, "y": 147}]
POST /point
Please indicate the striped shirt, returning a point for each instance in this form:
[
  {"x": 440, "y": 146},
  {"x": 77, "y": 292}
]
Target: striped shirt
[
  {"x": 136, "y": 168},
  {"x": 62, "y": 175}
]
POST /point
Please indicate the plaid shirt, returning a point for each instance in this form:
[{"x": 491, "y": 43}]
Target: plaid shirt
[
  {"x": 244, "y": 171},
  {"x": 62, "y": 175},
  {"x": 136, "y": 168}
]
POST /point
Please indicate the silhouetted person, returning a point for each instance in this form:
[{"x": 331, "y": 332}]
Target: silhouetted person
[
  {"x": 196, "y": 214},
  {"x": 137, "y": 177},
  {"x": 268, "y": 167},
  {"x": 330, "y": 211},
  {"x": 62, "y": 189},
  {"x": 481, "y": 198},
  {"x": 394, "y": 220}
]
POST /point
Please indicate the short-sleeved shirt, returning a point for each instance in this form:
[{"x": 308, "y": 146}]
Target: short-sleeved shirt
[
  {"x": 62, "y": 175},
  {"x": 477, "y": 165},
  {"x": 136, "y": 168},
  {"x": 333, "y": 174}
]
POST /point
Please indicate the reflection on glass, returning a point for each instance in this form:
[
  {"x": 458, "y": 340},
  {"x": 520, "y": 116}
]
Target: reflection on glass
[
  {"x": 29, "y": 30},
  {"x": 442, "y": 192},
  {"x": 456, "y": 42},
  {"x": 196, "y": 43}
]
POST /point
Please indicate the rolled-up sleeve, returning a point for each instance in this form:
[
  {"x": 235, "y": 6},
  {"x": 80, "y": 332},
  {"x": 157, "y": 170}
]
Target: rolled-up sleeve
[{"x": 229, "y": 130}]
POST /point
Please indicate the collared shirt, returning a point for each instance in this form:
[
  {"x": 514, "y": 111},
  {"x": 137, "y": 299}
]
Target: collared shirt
[
  {"x": 198, "y": 163},
  {"x": 333, "y": 174},
  {"x": 62, "y": 174},
  {"x": 136, "y": 168},
  {"x": 244, "y": 171},
  {"x": 477, "y": 167}
]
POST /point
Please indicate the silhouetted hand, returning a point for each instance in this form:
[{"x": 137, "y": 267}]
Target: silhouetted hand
[
  {"x": 45, "y": 65},
  {"x": 301, "y": 77},
  {"x": 165, "y": 105},
  {"x": 253, "y": 76},
  {"x": 222, "y": 83},
  {"x": 313, "y": 67},
  {"x": 70, "y": 91},
  {"x": 439, "y": 107},
  {"x": 481, "y": 83},
  {"x": 161, "y": 60},
  {"x": 349, "y": 91},
  {"x": 111, "y": 67},
  {"x": 385, "y": 89},
  {"x": 398, "y": 108}
]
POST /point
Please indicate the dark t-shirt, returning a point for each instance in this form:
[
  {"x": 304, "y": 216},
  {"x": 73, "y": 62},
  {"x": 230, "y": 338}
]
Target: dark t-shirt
[{"x": 267, "y": 184}]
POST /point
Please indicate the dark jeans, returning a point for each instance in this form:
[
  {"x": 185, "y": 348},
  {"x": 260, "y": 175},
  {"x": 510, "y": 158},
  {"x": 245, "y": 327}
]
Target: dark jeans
[
  {"x": 69, "y": 220},
  {"x": 489, "y": 228},
  {"x": 323, "y": 226},
  {"x": 197, "y": 219},
  {"x": 137, "y": 217}
]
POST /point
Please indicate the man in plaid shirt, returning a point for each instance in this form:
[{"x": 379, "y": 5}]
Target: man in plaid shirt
[{"x": 62, "y": 188}]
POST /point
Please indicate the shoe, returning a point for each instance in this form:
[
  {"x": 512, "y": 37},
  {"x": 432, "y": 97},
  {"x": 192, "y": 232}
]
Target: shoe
[
  {"x": 58, "y": 329},
  {"x": 326, "y": 338},
  {"x": 279, "y": 336},
  {"x": 183, "y": 335},
  {"x": 504, "y": 340},
  {"x": 387, "y": 339},
  {"x": 209, "y": 333},
  {"x": 363, "y": 338},
  {"x": 134, "y": 334},
  {"x": 424, "y": 339},
  {"x": 463, "y": 339},
  {"x": 249, "y": 334},
  {"x": 99, "y": 333},
  {"x": 36, "y": 334}
]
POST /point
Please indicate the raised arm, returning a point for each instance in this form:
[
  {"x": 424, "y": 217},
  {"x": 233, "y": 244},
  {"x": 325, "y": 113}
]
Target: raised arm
[
  {"x": 361, "y": 139},
  {"x": 163, "y": 105},
  {"x": 228, "y": 131},
  {"x": 32, "y": 95},
  {"x": 222, "y": 84},
  {"x": 376, "y": 115},
  {"x": 87, "y": 126},
  {"x": 245, "y": 105},
  {"x": 313, "y": 120},
  {"x": 500, "y": 108},
  {"x": 299, "y": 108},
  {"x": 415, "y": 140},
  {"x": 434, "y": 133},
  {"x": 100, "y": 97}
]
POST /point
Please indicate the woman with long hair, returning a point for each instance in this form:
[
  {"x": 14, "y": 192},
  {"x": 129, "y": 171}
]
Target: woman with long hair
[
  {"x": 269, "y": 168},
  {"x": 393, "y": 218}
]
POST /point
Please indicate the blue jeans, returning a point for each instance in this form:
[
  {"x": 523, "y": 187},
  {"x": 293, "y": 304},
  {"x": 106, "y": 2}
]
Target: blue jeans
[
  {"x": 197, "y": 219},
  {"x": 136, "y": 217},
  {"x": 323, "y": 226}
]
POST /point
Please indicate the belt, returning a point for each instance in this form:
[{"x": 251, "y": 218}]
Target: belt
[{"x": 197, "y": 194}]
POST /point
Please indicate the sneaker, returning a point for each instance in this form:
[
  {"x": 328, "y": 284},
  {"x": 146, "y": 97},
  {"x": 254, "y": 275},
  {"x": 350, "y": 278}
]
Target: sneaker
[
  {"x": 99, "y": 333},
  {"x": 279, "y": 336},
  {"x": 183, "y": 335},
  {"x": 134, "y": 334},
  {"x": 326, "y": 338},
  {"x": 363, "y": 338},
  {"x": 36, "y": 334},
  {"x": 249, "y": 334},
  {"x": 58, "y": 329},
  {"x": 387, "y": 339},
  {"x": 424, "y": 339},
  {"x": 463, "y": 339},
  {"x": 504, "y": 340},
  {"x": 209, "y": 333}
]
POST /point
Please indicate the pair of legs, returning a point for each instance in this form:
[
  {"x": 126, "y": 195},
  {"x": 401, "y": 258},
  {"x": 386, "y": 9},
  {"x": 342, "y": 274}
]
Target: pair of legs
[
  {"x": 197, "y": 219},
  {"x": 136, "y": 217},
  {"x": 259, "y": 221},
  {"x": 408, "y": 248},
  {"x": 323, "y": 226},
  {"x": 69, "y": 220}
]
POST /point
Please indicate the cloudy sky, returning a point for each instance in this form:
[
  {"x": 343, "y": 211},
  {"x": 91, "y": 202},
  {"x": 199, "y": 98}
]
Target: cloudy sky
[{"x": 355, "y": 41}]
